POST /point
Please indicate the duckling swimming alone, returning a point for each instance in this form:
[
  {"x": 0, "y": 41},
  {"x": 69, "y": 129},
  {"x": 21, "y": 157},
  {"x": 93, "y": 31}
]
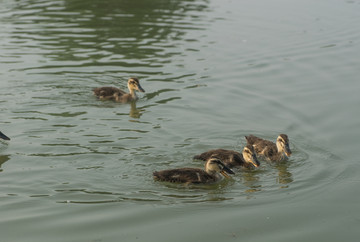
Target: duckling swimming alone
[
  {"x": 3, "y": 136},
  {"x": 211, "y": 174},
  {"x": 232, "y": 158},
  {"x": 269, "y": 150},
  {"x": 118, "y": 95}
]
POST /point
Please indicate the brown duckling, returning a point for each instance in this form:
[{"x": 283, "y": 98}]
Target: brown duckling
[
  {"x": 232, "y": 158},
  {"x": 211, "y": 174},
  {"x": 269, "y": 150},
  {"x": 118, "y": 95},
  {"x": 3, "y": 136}
]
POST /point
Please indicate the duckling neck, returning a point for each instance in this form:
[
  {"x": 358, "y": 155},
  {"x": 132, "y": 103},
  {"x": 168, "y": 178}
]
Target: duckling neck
[
  {"x": 280, "y": 155},
  {"x": 214, "y": 174},
  {"x": 279, "y": 148},
  {"x": 132, "y": 93}
]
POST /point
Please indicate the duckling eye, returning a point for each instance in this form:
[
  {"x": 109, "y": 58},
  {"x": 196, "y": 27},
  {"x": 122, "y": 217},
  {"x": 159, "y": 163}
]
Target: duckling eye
[{"x": 219, "y": 163}]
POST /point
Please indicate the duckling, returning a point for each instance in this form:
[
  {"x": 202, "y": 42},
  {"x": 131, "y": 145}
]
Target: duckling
[
  {"x": 211, "y": 174},
  {"x": 232, "y": 158},
  {"x": 118, "y": 95},
  {"x": 3, "y": 136},
  {"x": 269, "y": 150}
]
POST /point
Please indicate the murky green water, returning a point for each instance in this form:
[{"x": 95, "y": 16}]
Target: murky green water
[{"x": 79, "y": 169}]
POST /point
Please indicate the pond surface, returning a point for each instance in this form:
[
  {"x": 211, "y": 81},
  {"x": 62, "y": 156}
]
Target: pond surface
[{"x": 80, "y": 169}]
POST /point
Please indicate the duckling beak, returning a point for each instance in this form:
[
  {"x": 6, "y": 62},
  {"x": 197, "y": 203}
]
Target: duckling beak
[
  {"x": 287, "y": 150},
  {"x": 140, "y": 89},
  {"x": 3, "y": 136},
  {"x": 255, "y": 161},
  {"x": 225, "y": 171}
]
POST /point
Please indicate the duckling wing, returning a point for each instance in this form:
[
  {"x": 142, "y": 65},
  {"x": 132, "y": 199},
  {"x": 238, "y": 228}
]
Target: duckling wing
[
  {"x": 107, "y": 91},
  {"x": 261, "y": 146},
  {"x": 251, "y": 139},
  {"x": 183, "y": 175},
  {"x": 228, "y": 157}
]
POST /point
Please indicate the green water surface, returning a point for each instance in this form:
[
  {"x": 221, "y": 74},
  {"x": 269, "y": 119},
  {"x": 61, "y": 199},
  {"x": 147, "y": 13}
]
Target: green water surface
[{"x": 80, "y": 169}]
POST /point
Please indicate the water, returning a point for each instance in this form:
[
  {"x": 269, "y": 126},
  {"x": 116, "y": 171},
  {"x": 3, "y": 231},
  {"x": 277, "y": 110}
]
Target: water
[{"x": 79, "y": 169}]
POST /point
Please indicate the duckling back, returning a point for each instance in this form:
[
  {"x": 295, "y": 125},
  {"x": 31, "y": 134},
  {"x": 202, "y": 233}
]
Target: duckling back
[
  {"x": 230, "y": 158},
  {"x": 184, "y": 175},
  {"x": 266, "y": 148},
  {"x": 261, "y": 145},
  {"x": 107, "y": 93}
]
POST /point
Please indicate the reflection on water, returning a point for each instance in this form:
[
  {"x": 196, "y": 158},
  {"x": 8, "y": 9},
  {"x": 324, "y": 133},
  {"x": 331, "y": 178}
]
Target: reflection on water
[
  {"x": 135, "y": 112},
  {"x": 267, "y": 177},
  {"x": 252, "y": 181},
  {"x": 213, "y": 72},
  {"x": 131, "y": 108},
  {"x": 123, "y": 34},
  {"x": 284, "y": 175},
  {"x": 190, "y": 193}
]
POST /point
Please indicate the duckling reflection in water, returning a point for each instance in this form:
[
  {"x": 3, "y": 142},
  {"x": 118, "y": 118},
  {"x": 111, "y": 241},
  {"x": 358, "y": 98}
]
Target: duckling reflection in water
[
  {"x": 232, "y": 158},
  {"x": 3, "y": 136},
  {"x": 118, "y": 95},
  {"x": 269, "y": 150},
  {"x": 211, "y": 174}
]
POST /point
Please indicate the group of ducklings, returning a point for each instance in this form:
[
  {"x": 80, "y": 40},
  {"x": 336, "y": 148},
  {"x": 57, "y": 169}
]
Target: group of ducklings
[{"x": 218, "y": 161}]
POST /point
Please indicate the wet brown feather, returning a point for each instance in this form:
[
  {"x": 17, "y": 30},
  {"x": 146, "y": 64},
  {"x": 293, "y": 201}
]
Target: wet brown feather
[
  {"x": 108, "y": 93},
  {"x": 184, "y": 175},
  {"x": 266, "y": 148},
  {"x": 230, "y": 158}
]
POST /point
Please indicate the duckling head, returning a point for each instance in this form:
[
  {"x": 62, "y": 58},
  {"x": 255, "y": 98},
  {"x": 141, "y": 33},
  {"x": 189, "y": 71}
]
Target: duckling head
[
  {"x": 249, "y": 155},
  {"x": 282, "y": 144},
  {"x": 134, "y": 84},
  {"x": 215, "y": 165}
]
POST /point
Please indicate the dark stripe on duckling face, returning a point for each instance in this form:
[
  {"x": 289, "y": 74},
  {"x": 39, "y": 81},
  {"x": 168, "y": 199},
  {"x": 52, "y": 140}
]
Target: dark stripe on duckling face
[
  {"x": 224, "y": 170},
  {"x": 284, "y": 140},
  {"x": 249, "y": 155}
]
